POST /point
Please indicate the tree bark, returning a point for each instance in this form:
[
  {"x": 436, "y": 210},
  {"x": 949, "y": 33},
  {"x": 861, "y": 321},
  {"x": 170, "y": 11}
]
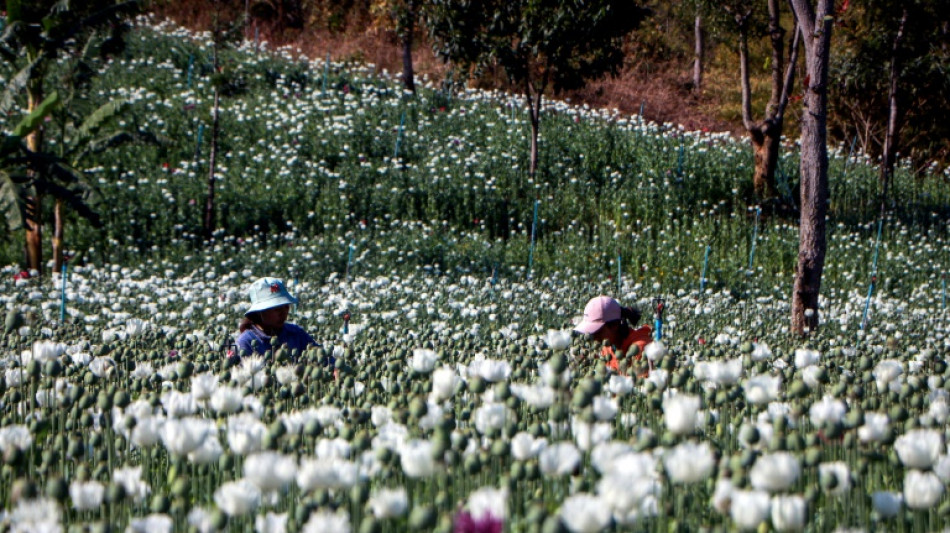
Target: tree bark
[
  {"x": 699, "y": 53},
  {"x": 890, "y": 137},
  {"x": 766, "y": 135},
  {"x": 408, "y": 76},
  {"x": 766, "y": 140},
  {"x": 34, "y": 204},
  {"x": 816, "y": 28}
]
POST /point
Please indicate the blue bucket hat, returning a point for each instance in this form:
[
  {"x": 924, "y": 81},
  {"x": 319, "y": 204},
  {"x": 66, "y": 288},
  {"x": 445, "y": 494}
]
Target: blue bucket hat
[{"x": 267, "y": 293}]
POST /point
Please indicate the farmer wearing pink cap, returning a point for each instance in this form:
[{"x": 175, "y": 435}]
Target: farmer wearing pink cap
[
  {"x": 266, "y": 320},
  {"x": 606, "y": 320}
]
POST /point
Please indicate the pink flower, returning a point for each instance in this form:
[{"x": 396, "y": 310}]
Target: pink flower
[{"x": 465, "y": 523}]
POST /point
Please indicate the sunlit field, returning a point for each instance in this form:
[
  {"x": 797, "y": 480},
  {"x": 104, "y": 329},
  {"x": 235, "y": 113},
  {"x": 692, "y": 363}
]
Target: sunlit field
[{"x": 461, "y": 400}]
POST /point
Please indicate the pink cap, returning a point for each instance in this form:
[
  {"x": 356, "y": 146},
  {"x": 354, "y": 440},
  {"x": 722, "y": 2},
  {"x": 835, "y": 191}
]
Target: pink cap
[{"x": 598, "y": 312}]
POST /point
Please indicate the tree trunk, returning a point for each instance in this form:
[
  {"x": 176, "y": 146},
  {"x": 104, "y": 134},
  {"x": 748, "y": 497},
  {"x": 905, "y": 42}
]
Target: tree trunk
[
  {"x": 766, "y": 135},
  {"x": 208, "y": 225},
  {"x": 890, "y": 137},
  {"x": 766, "y": 140},
  {"x": 816, "y": 34},
  {"x": 57, "y": 241},
  {"x": 408, "y": 76},
  {"x": 34, "y": 204},
  {"x": 700, "y": 51}
]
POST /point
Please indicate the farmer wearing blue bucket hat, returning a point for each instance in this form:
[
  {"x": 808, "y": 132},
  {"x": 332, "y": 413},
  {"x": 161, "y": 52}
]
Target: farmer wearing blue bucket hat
[{"x": 266, "y": 320}]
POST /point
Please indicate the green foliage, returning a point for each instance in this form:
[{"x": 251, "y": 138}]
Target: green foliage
[
  {"x": 534, "y": 41},
  {"x": 860, "y": 69},
  {"x": 37, "y": 35}
]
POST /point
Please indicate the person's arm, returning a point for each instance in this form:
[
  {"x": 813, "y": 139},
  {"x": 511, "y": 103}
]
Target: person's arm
[{"x": 245, "y": 343}]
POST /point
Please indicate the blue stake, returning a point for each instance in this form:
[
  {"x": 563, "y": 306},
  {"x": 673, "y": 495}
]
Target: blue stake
[
  {"x": 191, "y": 67},
  {"x": 494, "y": 276},
  {"x": 755, "y": 235},
  {"x": 349, "y": 260},
  {"x": 702, "y": 279},
  {"x": 642, "y": 103},
  {"x": 867, "y": 304},
  {"x": 402, "y": 122},
  {"x": 62, "y": 306},
  {"x": 534, "y": 225},
  {"x": 658, "y": 305}
]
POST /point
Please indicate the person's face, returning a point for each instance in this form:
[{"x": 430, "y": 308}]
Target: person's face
[
  {"x": 605, "y": 333},
  {"x": 275, "y": 317}
]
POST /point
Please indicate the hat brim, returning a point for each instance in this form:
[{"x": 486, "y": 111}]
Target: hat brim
[
  {"x": 270, "y": 303},
  {"x": 589, "y": 327}
]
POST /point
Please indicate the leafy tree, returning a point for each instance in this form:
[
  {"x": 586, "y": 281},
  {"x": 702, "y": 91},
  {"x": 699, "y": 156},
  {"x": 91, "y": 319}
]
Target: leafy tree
[
  {"x": 36, "y": 34},
  {"x": 539, "y": 44},
  {"x": 754, "y": 19},
  {"x": 816, "y": 23},
  {"x": 402, "y": 17},
  {"x": 906, "y": 44}
]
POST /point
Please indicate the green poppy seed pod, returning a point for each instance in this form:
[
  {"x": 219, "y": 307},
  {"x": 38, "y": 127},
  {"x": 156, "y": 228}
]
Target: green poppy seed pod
[
  {"x": 747, "y": 458},
  {"x": 104, "y": 401},
  {"x": 226, "y": 462},
  {"x": 270, "y": 441},
  {"x": 898, "y": 413},
  {"x": 558, "y": 362},
  {"x": 57, "y": 489},
  {"x": 13, "y": 456},
  {"x": 749, "y": 434},
  {"x": 180, "y": 488},
  {"x": 500, "y": 448},
  {"x": 75, "y": 448},
  {"x": 418, "y": 408},
  {"x": 828, "y": 481},
  {"x": 940, "y": 367},
  {"x": 422, "y": 517},
  {"x": 82, "y": 472},
  {"x": 850, "y": 439},
  {"x": 185, "y": 369},
  {"x": 52, "y": 368},
  {"x": 121, "y": 399},
  {"x": 160, "y": 504},
  {"x": 115, "y": 493},
  {"x": 517, "y": 470},
  {"x": 23, "y": 489},
  {"x": 13, "y": 321},
  {"x": 477, "y": 385},
  {"x": 581, "y": 398},
  {"x": 472, "y": 464},
  {"x": 794, "y": 442},
  {"x": 553, "y": 524},
  {"x": 33, "y": 369},
  {"x": 854, "y": 418},
  {"x": 557, "y": 413},
  {"x": 371, "y": 525}
]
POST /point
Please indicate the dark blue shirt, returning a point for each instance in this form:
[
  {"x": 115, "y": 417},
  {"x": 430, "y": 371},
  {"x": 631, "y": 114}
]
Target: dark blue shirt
[{"x": 291, "y": 335}]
